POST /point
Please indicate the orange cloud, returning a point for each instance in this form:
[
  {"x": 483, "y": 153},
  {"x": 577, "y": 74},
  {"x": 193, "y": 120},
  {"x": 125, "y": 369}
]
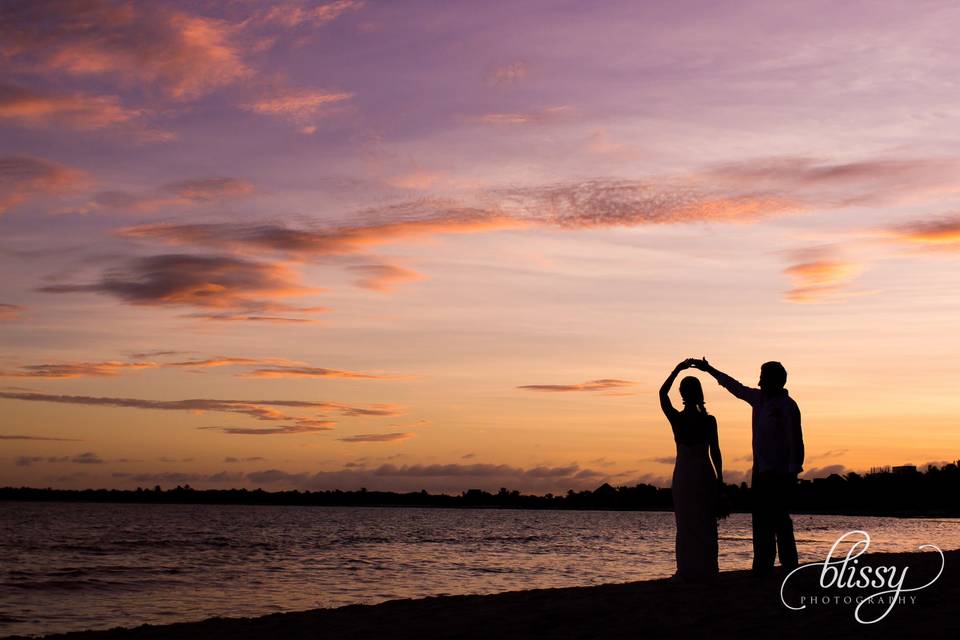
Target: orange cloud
[
  {"x": 819, "y": 280},
  {"x": 311, "y": 372},
  {"x": 24, "y": 177},
  {"x": 295, "y": 14},
  {"x": 305, "y": 243},
  {"x": 111, "y": 368},
  {"x": 76, "y": 369},
  {"x": 229, "y": 317},
  {"x": 942, "y": 234},
  {"x": 377, "y": 437},
  {"x": 543, "y": 116},
  {"x": 201, "y": 281},
  {"x": 40, "y": 438},
  {"x": 298, "y": 105},
  {"x": 602, "y": 384},
  {"x": 10, "y": 311},
  {"x": 418, "y": 179},
  {"x": 197, "y": 191},
  {"x": 224, "y": 361},
  {"x": 259, "y": 409},
  {"x": 383, "y": 277},
  {"x": 209, "y": 189},
  {"x": 301, "y": 425},
  {"x": 79, "y": 111},
  {"x": 153, "y": 44}
]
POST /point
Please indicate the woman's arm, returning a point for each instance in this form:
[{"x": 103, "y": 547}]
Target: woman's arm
[
  {"x": 715, "y": 455},
  {"x": 665, "y": 403}
]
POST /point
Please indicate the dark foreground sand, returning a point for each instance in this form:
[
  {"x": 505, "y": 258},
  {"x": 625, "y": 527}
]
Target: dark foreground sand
[{"x": 737, "y": 606}]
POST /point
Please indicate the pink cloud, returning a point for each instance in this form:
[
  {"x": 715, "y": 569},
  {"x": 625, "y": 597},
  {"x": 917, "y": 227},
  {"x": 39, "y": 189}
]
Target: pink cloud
[
  {"x": 79, "y": 111},
  {"x": 10, "y": 311},
  {"x": 152, "y": 44},
  {"x": 23, "y": 177},
  {"x": 201, "y": 281},
  {"x": 383, "y": 277}
]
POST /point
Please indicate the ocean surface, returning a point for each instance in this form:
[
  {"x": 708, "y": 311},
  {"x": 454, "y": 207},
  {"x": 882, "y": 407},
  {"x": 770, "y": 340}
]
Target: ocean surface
[{"x": 67, "y": 566}]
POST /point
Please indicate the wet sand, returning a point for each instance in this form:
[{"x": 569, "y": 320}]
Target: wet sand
[{"x": 737, "y": 605}]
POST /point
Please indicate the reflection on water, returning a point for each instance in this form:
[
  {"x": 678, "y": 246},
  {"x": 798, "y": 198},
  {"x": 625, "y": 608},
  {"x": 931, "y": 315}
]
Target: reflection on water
[{"x": 86, "y": 566}]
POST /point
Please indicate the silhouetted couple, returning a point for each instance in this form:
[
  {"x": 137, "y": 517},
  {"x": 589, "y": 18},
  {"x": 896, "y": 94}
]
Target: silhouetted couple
[{"x": 698, "y": 472}]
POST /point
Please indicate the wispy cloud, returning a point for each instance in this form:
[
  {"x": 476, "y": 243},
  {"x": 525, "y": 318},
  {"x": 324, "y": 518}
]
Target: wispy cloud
[
  {"x": 23, "y": 177},
  {"x": 39, "y": 438},
  {"x": 87, "y": 457},
  {"x": 299, "y": 106},
  {"x": 312, "y": 372},
  {"x": 150, "y": 44},
  {"x": 820, "y": 280},
  {"x": 111, "y": 368},
  {"x": 196, "y": 191},
  {"x": 602, "y": 384},
  {"x": 268, "y": 410},
  {"x": 507, "y": 75},
  {"x": 218, "y": 282},
  {"x": 47, "y": 109},
  {"x": 519, "y": 118},
  {"x": 298, "y": 427},
  {"x": 383, "y": 277},
  {"x": 297, "y": 14},
  {"x": 942, "y": 234},
  {"x": 76, "y": 369},
  {"x": 377, "y": 437},
  {"x": 10, "y": 311}
]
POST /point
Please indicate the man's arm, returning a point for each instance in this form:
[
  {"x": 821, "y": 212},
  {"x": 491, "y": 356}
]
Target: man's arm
[
  {"x": 796, "y": 441},
  {"x": 737, "y": 389}
]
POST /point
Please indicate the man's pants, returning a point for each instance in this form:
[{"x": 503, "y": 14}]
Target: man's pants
[{"x": 772, "y": 526}]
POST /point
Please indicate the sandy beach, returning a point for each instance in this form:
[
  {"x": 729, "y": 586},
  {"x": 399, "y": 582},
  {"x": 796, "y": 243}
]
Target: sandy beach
[{"x": 736, "y": 606}]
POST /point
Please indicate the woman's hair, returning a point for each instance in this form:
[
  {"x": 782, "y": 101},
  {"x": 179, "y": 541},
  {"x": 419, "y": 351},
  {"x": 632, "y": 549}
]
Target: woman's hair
[{"x": 692, "y": 394}]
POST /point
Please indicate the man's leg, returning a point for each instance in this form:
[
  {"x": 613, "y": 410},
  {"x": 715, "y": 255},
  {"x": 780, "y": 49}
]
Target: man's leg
[
  {"x": 783, "y": 525},
  {"x": 764, "y": 540}
]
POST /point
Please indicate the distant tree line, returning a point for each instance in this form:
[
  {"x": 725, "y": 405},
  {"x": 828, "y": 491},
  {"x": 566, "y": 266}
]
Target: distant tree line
[{"x": 883, "y": 491}]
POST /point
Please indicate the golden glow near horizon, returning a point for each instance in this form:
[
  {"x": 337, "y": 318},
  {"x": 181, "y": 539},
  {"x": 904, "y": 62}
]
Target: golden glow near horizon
[{"x": 347, "y": 244}]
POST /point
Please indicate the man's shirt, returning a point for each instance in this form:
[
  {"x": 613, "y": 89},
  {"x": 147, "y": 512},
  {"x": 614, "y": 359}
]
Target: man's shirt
[{"x": 777, "y": 436}]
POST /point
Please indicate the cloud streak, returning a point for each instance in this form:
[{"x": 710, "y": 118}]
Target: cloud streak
[
  {"x": 217, "y": 282},
  {"x": 24, "y": 177},
  {"x": 148, "y": 44},
  {"x": 603, "y": 384},
  {"x": 265, "y": 410},
  {"x": 377, "y": 437},
  {"x": 10, "y": 311},
  {"x": 46, "y": 109}
]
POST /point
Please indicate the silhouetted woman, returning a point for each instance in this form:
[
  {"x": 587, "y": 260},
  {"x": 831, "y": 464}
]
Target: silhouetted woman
[{"x": 695, "y": 479}]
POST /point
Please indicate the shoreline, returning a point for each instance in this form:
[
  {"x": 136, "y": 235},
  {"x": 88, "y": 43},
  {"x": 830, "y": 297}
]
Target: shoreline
[
  {"x": 804, "y": 512},
  {"x": 737, "y": 605}
]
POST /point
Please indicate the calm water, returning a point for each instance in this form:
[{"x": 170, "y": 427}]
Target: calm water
[{"x": 92, "y": 566}]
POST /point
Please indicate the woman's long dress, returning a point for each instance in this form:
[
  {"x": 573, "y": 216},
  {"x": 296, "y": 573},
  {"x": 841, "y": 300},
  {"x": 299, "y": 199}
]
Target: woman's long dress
[{"x": 694, "y": 496}]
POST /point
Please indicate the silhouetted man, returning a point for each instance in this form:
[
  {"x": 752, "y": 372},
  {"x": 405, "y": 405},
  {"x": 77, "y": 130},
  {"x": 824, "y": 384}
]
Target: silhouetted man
[{"x": 777, "y": 459}]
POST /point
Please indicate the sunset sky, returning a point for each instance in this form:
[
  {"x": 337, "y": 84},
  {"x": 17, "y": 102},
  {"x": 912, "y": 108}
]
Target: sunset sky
[{"x": 405, "y": 245}]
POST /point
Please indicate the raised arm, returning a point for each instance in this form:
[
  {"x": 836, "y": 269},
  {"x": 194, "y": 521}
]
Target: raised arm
[
  {"x": 737, "y": 389},
  {"x": 665, "y": 403}
]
